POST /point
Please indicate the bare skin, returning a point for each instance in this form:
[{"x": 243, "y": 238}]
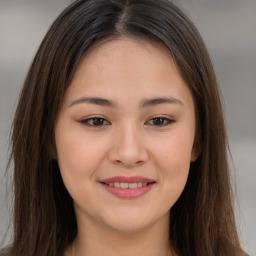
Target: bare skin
[{"x": 142, "y": 123}]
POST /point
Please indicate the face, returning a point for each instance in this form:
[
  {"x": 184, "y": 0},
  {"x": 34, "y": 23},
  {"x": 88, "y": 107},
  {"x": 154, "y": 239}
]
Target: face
[{"x": 125, "y": 134}]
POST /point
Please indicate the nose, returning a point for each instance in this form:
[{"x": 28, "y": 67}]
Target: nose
[{"x": 128, "y": 148}]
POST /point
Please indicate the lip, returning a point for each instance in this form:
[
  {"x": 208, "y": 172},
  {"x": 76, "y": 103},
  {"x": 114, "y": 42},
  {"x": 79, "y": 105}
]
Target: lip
[
  {"x": 128, "y": 193},
  {"x": 127, "y": 179}
]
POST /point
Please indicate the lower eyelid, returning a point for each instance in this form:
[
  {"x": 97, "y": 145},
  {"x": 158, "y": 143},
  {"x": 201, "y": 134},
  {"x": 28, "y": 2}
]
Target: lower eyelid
[
  {"x": 87, "y": 120},
  {"x": 166, "y": 119}
]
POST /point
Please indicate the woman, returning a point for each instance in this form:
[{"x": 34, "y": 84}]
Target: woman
[{"x": 119, "y": 143}]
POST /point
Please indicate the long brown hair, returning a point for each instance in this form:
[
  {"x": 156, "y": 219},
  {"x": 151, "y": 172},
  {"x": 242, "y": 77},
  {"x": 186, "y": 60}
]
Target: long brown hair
[{"x": 202, "y": 220}]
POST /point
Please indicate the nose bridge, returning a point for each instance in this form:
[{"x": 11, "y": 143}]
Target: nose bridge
[
  {"x": 129, "y": 148},
  {"x": 129, "y": 139}
]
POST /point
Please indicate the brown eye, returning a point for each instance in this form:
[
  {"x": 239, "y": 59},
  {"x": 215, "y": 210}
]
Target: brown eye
[
  {"x": 160, "y": 121},
  {"x": 95, "y": 121},
  {"x": 98, "y": 121}
]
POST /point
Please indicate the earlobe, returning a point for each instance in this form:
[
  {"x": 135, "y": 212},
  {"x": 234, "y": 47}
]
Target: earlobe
[
  {"x": 194, "y": 155},
  {"x": 196, "y": 151}
]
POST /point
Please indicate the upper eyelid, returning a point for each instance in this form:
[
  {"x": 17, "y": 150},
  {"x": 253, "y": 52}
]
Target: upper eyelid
[
  {"x": 161, "y": 116},
  {"x": 84, "y": 120},
  {"x": 150, "y": 118},
  {"x": 169, "y": 119},
  {"x": 94, "y": 116}
]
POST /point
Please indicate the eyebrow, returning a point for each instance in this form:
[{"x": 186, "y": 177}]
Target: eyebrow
[
  {"x": 109, "y": 103},
  {"x": 93, "y": 100},
  {"x": 161, "y": 100}
]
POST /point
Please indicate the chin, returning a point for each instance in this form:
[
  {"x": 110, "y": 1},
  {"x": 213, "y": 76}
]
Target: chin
[
  {"x": 129, "y": 220},
  {"x": 128, "y": 226}
]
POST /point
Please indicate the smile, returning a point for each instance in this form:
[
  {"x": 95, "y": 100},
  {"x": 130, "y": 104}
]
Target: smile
[{"x": 128, "y": 187}]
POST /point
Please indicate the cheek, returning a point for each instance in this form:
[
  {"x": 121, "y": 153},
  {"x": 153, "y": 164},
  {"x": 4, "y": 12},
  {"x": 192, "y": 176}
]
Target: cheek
[
  {"x": 78, "y": 156},
  {"x": 174, "y": 153},
  {"x": 173, "y": 161}
]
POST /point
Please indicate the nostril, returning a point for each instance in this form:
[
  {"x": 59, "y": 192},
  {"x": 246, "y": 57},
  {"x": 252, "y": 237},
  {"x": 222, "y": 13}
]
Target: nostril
[
  {"x": 129, "y": 164},
  {"x": 139, "y": 162}
]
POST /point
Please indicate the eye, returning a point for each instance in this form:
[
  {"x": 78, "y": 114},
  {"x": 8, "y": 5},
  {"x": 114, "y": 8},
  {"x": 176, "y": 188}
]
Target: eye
[
  {"x": 95, "y": 122},
  {"x": 160, "y": 121}
]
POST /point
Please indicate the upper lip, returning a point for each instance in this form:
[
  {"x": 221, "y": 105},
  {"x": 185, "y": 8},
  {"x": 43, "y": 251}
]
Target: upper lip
[{"x": 125, "y": 179}]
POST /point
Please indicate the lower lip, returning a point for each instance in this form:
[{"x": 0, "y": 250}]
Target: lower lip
[{"x": 128, "y": 192}]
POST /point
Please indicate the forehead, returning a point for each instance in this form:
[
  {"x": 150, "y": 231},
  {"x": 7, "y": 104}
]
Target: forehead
[
  {"x": 124, "y": 49},
  {"x": 130, "y": 43},
  {"x": 127, "y": 66}
]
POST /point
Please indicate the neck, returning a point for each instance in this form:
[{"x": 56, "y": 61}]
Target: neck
[{"x": 94, "y": 239}]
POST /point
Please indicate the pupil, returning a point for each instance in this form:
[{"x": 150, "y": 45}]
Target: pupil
[
  {"x": 158, "y": 121},
  {"x": 97, "y": 121}
]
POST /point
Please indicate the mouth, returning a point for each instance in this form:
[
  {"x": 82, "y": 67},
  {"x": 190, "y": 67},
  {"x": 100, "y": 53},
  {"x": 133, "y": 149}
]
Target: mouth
[{"x": 128, "y": 187}]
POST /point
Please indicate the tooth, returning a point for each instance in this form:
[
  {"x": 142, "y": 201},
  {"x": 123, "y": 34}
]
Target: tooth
[
  {"x": 139, "y": 184},
  {"x": 127, "y": 185},
  {"x": 132, "y": 185},
  {"x": 124, "y": 185},
  {"x": 117, "y": 184}
]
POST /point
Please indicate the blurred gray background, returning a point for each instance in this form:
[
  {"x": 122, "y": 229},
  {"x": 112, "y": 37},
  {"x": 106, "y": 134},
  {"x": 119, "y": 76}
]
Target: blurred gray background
[{"x": 229, "y": 30}]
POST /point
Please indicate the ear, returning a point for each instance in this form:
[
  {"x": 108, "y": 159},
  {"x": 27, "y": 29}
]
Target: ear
[
  {"x": 196, "y": 150},
  {"x": 194, "y": 155}
]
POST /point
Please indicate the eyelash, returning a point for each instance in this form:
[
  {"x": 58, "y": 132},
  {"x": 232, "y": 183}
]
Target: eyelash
[
  {"x": 91, "y": 121},
  {"x": 165, "y": 121}
]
